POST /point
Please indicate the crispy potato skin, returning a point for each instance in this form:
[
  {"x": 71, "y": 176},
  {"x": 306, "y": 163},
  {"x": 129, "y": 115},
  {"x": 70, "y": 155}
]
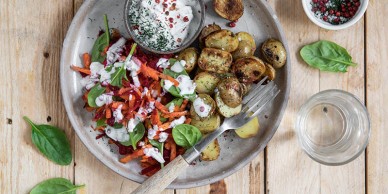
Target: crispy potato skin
[
  {"x": 222, "y": 39},
  {"x": 215, "y": 60},
  {"x": 190, "y": 55},
  {"x": 231, "y": 10},
  {"x": 274, "y": 52},
  {"x": 270, "y": 71},
  {"x": 248, "y": 69},
  {"x": 206, "y": 82},
  {"x": 206, "y": 31},
  {"x": 230, "y": 91}
]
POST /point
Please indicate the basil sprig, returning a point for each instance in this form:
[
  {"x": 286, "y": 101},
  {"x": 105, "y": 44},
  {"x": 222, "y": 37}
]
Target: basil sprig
[
  {"x": 135, "y": 136},
  {"x": 327, "y": 56},
  {"x": 94, "y": 93},
  {"x": 51, "y": 142},
  {"x": 186, "y": 135},
  {"x": 101, "y": 43},
  {"x": 56, "y": 185}
]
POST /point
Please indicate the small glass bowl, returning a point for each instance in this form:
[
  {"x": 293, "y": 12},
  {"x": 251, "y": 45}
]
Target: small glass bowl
[
  {"x": 195, "y": 27},
  {"x": 333, "y": 127}
]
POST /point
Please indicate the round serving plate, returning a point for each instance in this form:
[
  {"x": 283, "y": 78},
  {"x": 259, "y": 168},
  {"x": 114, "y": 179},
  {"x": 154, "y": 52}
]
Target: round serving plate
[{"x": 258, "y": 20}]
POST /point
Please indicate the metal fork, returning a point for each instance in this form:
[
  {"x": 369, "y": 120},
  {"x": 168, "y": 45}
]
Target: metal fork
[{"x": 253, "y": 104}]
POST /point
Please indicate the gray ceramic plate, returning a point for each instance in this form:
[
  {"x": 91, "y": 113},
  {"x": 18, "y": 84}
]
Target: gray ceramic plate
[{"x": 258, "y": 19}]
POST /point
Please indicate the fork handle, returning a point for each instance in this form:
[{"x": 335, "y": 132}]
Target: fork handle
[{"x": 159, "y": 181}]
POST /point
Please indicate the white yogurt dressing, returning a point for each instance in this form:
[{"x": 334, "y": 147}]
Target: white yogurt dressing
[
  {"x": 152, "y": 132},
  {"x": 104, "y": 99},
  {"x": 179, "y": 121},
  {"x": 120, "y": 134},
  {"x": 161, "y": 24},
  {"x": 117, "y": 114},
  {"x": 154, "y": 153},
  {"x": 133, "y": 65},
  {"x": 163, "y": 136},
  {"x": 201, "y": 108},
  {"x": 163, "y": 63},
  {"x": 171, "y": 107},
  {"x": 186, "y": 85},
  {"x": 178, "y": 66},
  {"x": 114, "y": 51}
]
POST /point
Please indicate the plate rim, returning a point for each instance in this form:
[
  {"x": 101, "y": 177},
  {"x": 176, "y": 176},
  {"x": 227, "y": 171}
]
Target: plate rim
[{"x": 71, "y": 33}]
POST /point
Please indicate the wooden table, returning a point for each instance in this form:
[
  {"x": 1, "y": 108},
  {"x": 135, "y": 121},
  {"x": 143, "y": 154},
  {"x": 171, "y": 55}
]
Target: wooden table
[{"x": 31, "y": 36}]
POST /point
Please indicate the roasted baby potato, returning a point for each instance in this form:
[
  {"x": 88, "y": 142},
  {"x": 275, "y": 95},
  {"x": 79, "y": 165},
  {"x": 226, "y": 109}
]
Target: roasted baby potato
[
  {"x": 206, "y": 82},
  {"x": 206, "y": 31},
  {"x": 245, "y": 36},
  {"x": 215, "y": 60},
  {"x": 270, "y": 72},
  {"x": 208, "y": 125},
  {"x": 245, "y": 87},
  {"x": 248, "y": 69},
  {"x": 250, "y": 129},
  {"x": 222, "y": 39},
  {"x": 190, "y": 55},
  {"x": 211, "y": 152},
  {"x": 230, "y": 91},
  {"x": 231, "y": 10},
  {"x": 274, "y": 52},
  {"x": 244, "y": 49},
  {"x": 224, "y": 109},
  {"x": 198, "y": 106}
]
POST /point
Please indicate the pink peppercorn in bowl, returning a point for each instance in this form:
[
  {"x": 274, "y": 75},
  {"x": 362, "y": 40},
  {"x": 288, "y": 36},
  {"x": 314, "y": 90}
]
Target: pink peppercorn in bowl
[{"x": 335, "y": 14}]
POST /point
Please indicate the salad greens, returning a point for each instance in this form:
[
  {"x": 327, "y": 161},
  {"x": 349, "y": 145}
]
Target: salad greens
[
  {"x": 186, "y": 135},
  {"x": 173, "y": 90},
  {"x": 135, "y": 136},
  {"x": 327, "y": 56},
  {"x": 51, "y": 142},
  {"x": 56, "y": 185},
  {"x": 94, "y": 93},
  {"x": 158, "y": 145},
  {"x": 101, "y": 43}
]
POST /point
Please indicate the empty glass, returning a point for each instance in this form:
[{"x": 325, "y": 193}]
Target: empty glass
[{"x": 333, "y": 127}]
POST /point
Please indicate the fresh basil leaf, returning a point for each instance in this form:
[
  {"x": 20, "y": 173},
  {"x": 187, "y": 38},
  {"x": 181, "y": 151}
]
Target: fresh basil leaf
[
  {"x": 186, "y": 135},
  {"x": 107, "y": 33},
  {"x": 117, "y": 125},
  {"x": 327, "y": 56},
  {"x": 98, "y": 48},
  {"x": 101, "y": 123},
  {"x": 172, "y": 61},
  {"x": 158, "y": 145},
  {"x": 51, "y": 142},
  {"x": 118, "y": 75},
  {"x": 176, "y": 102},
  {"x": 94, "y": 93},
  {"x": 54, "y": 186},
  {"x": 137, "y": 134}
]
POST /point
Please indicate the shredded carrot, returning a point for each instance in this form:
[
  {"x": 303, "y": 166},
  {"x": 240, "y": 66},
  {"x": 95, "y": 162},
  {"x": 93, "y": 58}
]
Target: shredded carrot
[
  {"x": 165, "y": 126},
  {"x": 108, "y": 113},
  {"x": 188, "y": 121},
  {"x": 167, "y": 145},
  {"x": 117, "y": 104},
  {"x": 174, "y": 114},
  {"x": 173, "y": 151},
  {"x": 184, "y": 104},
  {"x": 155, "y": 118},
  {"x": 87, "y": 60},
  {"x": 123, "y": 90},
  {"x": 80, "y": 69},
  {"x": 166, "y": 77},
  {"x": 161, "y": 107},
  {"x": 149, "y": 72},
  {"x": 129, "y": 157}
]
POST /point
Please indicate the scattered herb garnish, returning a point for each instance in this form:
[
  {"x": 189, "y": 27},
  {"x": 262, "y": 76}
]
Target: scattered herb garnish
[
  {"x": 101, "y": 43},
  {"x": 186, "y": 135},
  {"x": 51, "y": 142},
  {"x": 327, "y": 56},
  {"x": 55, "y": 186}
]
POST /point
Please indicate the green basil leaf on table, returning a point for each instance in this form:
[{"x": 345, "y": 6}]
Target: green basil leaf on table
[
  {"x": 327, "y": 56},
  {"x": 135, "y": 136},
  {"x": 55, "y": 186},
  {"x": 94, "y": 93},
  {"x": 101, "y": 43},
  {"x": 51, "y": 142},
  {"x": 186, "y": 135},
  {"x": 158, "y": 145}
]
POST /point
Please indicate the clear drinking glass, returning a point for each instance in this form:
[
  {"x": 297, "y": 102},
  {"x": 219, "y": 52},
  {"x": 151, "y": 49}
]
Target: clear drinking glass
[{"x": 333, "y": 127}]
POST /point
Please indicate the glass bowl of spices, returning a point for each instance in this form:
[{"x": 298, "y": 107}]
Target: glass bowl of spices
[
  {"x": 334, "y": 14},
  {"x": 164, "y": 26}
]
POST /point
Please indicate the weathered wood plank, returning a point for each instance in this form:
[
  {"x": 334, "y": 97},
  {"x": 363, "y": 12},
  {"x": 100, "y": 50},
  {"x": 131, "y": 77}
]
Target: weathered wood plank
[
  {"x": 377, "y": 95},
  {"x": 31, "y": 36}
]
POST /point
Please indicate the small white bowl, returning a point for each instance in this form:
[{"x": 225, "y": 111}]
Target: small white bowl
[{"x": 357, "y": 16}]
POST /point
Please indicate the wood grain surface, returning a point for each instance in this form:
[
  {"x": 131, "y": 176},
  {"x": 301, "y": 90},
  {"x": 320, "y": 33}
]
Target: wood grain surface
[{"x": 31, "y": 39}]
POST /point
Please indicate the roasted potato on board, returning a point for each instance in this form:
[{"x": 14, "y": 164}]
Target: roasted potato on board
[
  {"x": 270, "y": 72},
  {"x": 248, "y": 69},
  {"x": 208, "y": 125},
  {"x": 206, "y": 82},
  {"x": 206, "y": 31},
  {"x": 274, "y": 52},
  {"x": 206, "y": 99},
  {"x": 215, "y": 60},
  {"x": 211, "y": 152},
  {"x": 250, "y": 129},
  {"x": 230, "y": 91},
  {"x": 231, "y": 10},
  {"x": 246, "y": 46},
  {"x": 222, "y": 39},
  {"x": 190, "y": 55},
  {"x": 224, "y": 109}
]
